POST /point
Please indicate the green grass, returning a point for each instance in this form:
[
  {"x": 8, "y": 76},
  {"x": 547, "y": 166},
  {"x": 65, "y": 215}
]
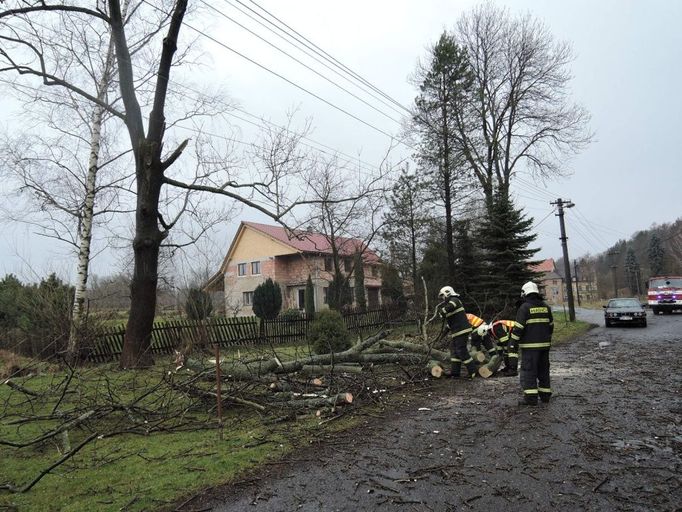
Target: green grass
[
  {"x": 150, "y": 472},
  {"x": 565, "y": 331}
]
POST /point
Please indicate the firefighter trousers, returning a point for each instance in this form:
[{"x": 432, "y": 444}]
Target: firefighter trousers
[
  {"x": 535, "y": 375},
  {"x": 459, "y": 354},
  {"x": 484, "y": 341}
]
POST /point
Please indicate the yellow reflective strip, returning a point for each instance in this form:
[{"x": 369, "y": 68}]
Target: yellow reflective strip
[
  {"x": 538, "y": 321},
  {"x": 504, "y": 339},
  {"x": 530, "y": 391},
  {"x": 515, "y": 337},
  {"x": 545, "y": 344},
  {"x": 463, "y": 331},
  {"x": 455, "y": 360},
  {"x": 513, "y": 355},
  {"x": 520, "y": 326},
  {"x": 545, "y": 390},
  {"x": 468, "y": 360}
]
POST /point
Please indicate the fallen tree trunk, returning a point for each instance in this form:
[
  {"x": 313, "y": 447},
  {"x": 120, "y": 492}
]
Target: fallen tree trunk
[
  {"x": 323, "y": 369},
  {"x": 418, "y": 348},
  {"x": 240, "y": 371}
]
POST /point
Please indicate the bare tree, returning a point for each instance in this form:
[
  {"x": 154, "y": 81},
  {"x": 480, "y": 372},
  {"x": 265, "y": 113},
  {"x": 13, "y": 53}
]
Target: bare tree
[
  {"x": 147, "y": 131},
  {"x": 347, "y": 209},
  {"x": 519, "y": 116}
]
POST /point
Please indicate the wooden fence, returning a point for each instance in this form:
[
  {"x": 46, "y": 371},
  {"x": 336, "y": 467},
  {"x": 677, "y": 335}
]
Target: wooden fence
[{"x": 228, "y": 332}]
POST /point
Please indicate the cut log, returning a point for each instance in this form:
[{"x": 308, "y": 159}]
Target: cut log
[
  {"x": 491, "y": 367},
  {"x": 435, "y": 369},
  {"x": 478, "y": 355}
]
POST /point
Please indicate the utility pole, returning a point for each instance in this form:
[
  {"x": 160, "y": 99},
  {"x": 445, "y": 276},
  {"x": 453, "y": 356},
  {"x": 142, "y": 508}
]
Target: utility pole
[
  {"x": 613, "y": 273},
  {"x": 561, "y": 204},
  {"x": 577, "y": 288}
]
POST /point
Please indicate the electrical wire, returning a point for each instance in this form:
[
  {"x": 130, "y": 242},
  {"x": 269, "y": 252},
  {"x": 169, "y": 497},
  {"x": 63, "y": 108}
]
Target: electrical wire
[
  {"x": 303, "y": 48},
  {"x": 300, "y": 62},
  {"x": 329, "y": 57}
]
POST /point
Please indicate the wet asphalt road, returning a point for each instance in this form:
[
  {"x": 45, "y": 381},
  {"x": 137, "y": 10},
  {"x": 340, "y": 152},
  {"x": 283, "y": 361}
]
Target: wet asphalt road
[{"x": 611, "y": 439}]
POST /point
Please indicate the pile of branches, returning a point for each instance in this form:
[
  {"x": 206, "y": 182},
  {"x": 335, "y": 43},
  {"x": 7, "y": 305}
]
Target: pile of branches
[{"x": 315, "y": 383}]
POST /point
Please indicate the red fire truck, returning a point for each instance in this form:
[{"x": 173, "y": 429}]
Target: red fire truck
[{"x": 664, "y": 294}]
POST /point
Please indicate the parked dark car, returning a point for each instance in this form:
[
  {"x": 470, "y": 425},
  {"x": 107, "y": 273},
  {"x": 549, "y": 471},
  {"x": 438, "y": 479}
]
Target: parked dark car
[{"x": 624, "y": 311}]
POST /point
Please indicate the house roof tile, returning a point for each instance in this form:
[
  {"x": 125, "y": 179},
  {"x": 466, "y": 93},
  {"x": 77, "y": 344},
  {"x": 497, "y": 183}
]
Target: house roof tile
[{"x": 310, "y": 242}]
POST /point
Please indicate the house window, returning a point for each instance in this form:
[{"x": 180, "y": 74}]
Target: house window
[
  {"x": 301, "y": 298},
  {"x": 255, "y": 267},
  {"x": 324, "y": 295},
  {"x": 241, "y": 269},
  {"x": 247, "y": 297},
  {"x": 347, "y": 265},
  {"x": 328, "y": 264},
  {"x": 374, "y": 271}
]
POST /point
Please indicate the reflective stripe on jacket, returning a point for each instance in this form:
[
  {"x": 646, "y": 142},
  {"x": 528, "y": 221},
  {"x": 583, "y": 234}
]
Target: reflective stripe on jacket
[
  {"x": 474, "y": 320},
  {"x": 534, "y": 325},
  {"x": 452, "y": 311},
  {"x": 501, "y": 329}
]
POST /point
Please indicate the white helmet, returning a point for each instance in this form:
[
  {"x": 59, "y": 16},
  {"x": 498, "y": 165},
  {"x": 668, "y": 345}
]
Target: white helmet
[
  {"x": 528, "y": 288},
  {"x": 482, "y": 329},
  {"x": 447, "y": 292}
]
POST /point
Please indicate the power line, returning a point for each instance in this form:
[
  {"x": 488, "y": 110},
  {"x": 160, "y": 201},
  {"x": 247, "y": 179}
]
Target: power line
[
  {"x": 327, "y": 55},
  {"x": 303, "y": 48},
  {"x": 300, "y": 87},
  {"x": 300, "y": 62}
]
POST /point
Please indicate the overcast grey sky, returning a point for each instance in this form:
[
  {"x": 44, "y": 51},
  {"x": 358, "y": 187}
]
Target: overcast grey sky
[{"x": 626, "y": 73}]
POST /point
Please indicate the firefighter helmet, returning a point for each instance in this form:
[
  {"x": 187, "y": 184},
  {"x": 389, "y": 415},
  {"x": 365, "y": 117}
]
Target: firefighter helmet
[
  {"x": 446, "y": 292},
  {"x": 482, "y": 329},
  {"x": 528, "y": 288}
]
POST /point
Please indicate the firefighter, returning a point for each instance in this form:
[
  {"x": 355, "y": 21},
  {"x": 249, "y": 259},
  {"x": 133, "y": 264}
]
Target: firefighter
[
  {"x": 532, "y": 333},
  {"x": 479, "y": 340},
  {"x": 499, "y": 331},
  {"x": 452, "y": 312}
]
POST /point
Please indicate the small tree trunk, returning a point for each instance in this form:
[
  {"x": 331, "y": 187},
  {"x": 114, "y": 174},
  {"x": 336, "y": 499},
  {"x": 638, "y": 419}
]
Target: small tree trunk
[{"x": 85, "y": 235}]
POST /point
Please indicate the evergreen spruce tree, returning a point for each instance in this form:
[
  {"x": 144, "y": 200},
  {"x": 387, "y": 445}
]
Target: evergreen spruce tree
[
  {"x": 468, "y": 267},
  {"x": 656, "y": 255},
  {"x": 338, "y": 294},
  {"x": 359, "y": 281},
  {"x": 504, "y": 238},
  {"x": 433, "y": 267},
  {"x": 406, "y": 226},
  {"x": 309, "y": 298},
  {"x": 267, "y": 300},
  {"x": 444, "y": 83},
  {"x": 392, "y": 286}
]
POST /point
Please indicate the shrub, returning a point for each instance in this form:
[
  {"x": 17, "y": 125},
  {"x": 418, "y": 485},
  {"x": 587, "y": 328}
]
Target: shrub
[
  {"x": 198, "y": 305},
  {"x": 328, "y": 333},
  {"x": 309, "y": 298},
  {"x": 267, "y": 300},
  {"x": 338, "y": 294},
  {"x": 290, "y": 314}
]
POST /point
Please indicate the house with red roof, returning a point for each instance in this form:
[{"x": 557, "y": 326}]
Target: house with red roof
[
  {"x": 552, "y": 284},
  {"x": 261, "y": 251}
]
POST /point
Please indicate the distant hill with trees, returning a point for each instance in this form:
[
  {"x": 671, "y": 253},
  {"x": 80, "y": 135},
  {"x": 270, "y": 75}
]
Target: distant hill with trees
[{"x": 654, "y": 251}]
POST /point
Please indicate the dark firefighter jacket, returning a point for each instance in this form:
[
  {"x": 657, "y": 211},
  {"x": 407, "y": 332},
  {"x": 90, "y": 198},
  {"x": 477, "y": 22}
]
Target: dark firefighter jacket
[
  {"x": 453, "y": 313},
  {"x": 534, "y": 325}
]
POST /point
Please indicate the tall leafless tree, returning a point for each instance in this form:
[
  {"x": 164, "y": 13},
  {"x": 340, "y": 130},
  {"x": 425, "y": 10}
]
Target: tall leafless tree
[
  {"x": 148, "y": 135},
  {"x": 519, "y": 116}
]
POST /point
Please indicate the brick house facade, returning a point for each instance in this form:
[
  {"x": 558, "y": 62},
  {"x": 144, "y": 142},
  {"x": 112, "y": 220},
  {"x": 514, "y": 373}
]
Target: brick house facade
[
  {"x": 260, "y": 251},
  {"x": 553, "y": 285}
]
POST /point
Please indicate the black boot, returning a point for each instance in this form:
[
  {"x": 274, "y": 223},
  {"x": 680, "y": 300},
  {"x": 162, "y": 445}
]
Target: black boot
[{"x": 531, "y": 400}]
